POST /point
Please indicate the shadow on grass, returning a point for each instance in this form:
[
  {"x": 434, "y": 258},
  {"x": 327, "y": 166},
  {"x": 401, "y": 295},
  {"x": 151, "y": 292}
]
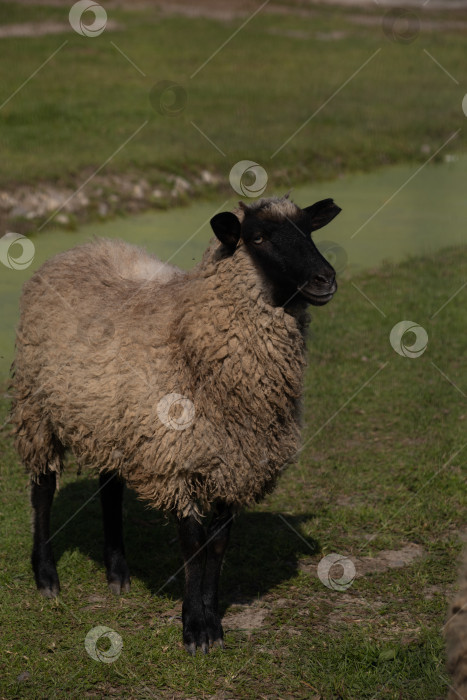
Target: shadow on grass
[{"x": 264, "y": 551}]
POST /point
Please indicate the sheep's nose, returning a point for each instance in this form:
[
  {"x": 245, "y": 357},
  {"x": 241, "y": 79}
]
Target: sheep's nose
[{"x": 327, "y": 278}]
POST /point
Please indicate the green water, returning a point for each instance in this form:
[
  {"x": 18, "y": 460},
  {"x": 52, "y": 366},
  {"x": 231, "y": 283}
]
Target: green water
[{"x": 429, "y": 212}]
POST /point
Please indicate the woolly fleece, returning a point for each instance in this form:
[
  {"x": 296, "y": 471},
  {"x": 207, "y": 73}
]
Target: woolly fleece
[{"x": 107, "y": 331}]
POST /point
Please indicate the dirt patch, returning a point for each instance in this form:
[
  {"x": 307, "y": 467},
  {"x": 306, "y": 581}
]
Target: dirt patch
[
  {"x": 384, "y": 560},
  {"x": 95, "y": 602},
  {"x": 430, "y": 592},
  {"x": 427, "y": 25},
  {"x": 306, "y": 36},
  {"x": 389, "y": 559},
  {"x": 417, "y": 5},
  {"x": 345, "y": 501},
  {"x": 250, "y": 618},
  {"x": 226, "y": 10},
  {"x": 352, "y": 609},
  {"x": 213, "y": 9},
  {"x": 33, "y": 29},
  {"x": 28, "y": 207},
  {"x": 223, "y": 11}
]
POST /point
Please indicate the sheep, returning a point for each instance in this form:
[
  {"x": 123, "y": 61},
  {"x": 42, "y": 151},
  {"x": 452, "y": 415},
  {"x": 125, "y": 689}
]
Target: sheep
[
  {"x": 455, "y": 632},
  {"x": 186, "y": 386}
]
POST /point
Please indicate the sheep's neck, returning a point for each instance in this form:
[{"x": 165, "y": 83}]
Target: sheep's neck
[{"x": 234, "y": 341}]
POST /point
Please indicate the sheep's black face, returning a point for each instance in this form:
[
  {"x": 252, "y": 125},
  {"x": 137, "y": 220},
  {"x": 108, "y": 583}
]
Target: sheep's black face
[
  {"x": 289, "y": 259},
  {"x": 278, "y": 238}
]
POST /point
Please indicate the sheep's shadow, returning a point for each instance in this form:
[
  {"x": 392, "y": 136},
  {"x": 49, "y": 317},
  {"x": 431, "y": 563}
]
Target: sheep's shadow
[{"x": 264, "y": 549}]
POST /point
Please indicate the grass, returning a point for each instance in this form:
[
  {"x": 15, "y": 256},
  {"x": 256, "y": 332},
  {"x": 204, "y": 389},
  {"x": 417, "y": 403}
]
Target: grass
[
  {"x": 380, "y": 468},
  {"x": 381, "y": 465},
  {"x": 79, "y": 109}
]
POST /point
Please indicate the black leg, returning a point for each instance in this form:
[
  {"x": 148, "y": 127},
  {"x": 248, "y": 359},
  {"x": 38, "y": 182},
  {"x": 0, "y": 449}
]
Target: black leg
[
  {"x": 42, "y": 558},
  {"x": 218, "y": 539},
  {"x": 111, "y": 490},
  {"x": 192, "y": 541},
  {"x": 203, "y": 561}
]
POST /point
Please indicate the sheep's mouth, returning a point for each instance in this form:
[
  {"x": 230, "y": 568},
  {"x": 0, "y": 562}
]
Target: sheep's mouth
[{"x": 317, "y": 297}]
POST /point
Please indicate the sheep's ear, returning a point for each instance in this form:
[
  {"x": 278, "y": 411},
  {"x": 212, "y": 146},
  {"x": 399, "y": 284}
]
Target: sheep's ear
[
  {"x": 321, "y": 213},
  {"x": 227, "y": 228}
]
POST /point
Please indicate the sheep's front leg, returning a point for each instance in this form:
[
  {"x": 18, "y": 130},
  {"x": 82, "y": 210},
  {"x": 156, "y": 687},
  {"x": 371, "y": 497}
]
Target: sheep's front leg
[
  {"x": 42, "y": 558},
  {"x": 111, "y": 490},
  {"x": 217, "y": 541},
  {"x": 192, "y": 540}
]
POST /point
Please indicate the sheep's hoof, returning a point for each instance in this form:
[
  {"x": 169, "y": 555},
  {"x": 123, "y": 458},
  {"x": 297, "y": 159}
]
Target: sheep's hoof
[
  {"x": 49, "y": 591},
  {"x": 218, "y": 643},
  {"x": 118, "y": 574},
  {"x": 195, "y": 635},
  {"x": 214, "y": 630},
  {"x": 46, "y": 577},
  {"x": 117, "y": 586},
  {"x": 191, "y": 648}
]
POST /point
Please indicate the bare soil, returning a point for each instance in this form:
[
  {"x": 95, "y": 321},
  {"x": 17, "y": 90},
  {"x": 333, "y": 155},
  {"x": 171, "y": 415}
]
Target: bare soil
[
  {"x": 229, "y": 9},
  {"x": 24, "y": 208},
  {"x": 34, "y": 29},
  {"x": 384, "y": 560}
]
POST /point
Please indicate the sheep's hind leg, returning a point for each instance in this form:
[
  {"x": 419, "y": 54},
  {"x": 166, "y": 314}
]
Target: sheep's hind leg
[
  {"x": 192, "y": 541},
  {"x": 111, "y": 490},
  {"x": 217, "y": 541},
  {"x": 42, "y": 558}
]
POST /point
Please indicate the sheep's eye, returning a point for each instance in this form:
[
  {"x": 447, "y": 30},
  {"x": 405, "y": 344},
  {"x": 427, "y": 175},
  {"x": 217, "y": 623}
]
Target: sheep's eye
[{"x": 258, "y": 239}]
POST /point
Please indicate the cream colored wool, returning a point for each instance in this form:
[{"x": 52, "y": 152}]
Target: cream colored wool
[
  {"x": 106, "y": 331},
  {"x": 455, "y": 632}
]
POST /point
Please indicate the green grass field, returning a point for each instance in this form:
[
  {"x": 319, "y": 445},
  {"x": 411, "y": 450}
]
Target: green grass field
[
  {"x": 381, "y": 478},
  {"x": 381, "y": 471},
  {"x": 249, "y": 99}
]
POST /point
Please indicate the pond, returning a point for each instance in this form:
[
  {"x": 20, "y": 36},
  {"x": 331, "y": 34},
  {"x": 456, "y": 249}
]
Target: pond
[{"x": 387, "y": 215}]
